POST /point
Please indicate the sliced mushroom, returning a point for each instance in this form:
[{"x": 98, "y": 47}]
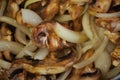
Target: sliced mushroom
[
  {"x": 113, "y": 37},
  {"x": 52, "y": 65},
  {"x": 100, "y": 6},
  {"x": 50, "y": 10},
  {"x": 12, "y": 9},
  {"x": 75, "y": 10},
  {"x": 116, "y": 56},
  {"x": 110, "y": 23}
]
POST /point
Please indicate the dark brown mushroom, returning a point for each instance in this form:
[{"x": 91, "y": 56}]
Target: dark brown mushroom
[{"x": 100, "y": 6}]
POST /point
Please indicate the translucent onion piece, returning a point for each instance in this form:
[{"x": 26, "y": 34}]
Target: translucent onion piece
[
  {"x": 4, "y": 64},
  {"x": 27, "y": 50},
  {"x": 64, "y": 75},
  {"x": 13, "y": 22},
  {"x": 85, "y": 9},
  {"x": 103, "y": 62},
  {"x": 79, "y": 1},
  {"x": 21, "y": 37},
  {"x": 69, "y": 35},
  {"x": 30, "y": 17},
  {"x": 41, "y": 54},
  {"x": 97, "y": 53},
  {"x": 112, "y": 73},
  {"x": 108, "y": 15},
  {"x": 28, "y": 2},
  {"x": 86, "y": 26},
  {"x": 63, "y": 18},
  {"x": 13, "y": 47},
  {"x": 3, "y": 6}
]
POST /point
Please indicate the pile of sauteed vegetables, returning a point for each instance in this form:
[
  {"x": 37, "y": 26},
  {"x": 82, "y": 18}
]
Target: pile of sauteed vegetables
[{"x": 59, "y": 39}]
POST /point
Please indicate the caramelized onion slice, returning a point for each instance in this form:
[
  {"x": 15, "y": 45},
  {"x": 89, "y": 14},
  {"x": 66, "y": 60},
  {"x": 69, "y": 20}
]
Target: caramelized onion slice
[{"x": 69, "y": 35}]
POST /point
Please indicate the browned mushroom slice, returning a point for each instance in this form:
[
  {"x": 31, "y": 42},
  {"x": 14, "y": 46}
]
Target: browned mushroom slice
[
  {"x": 52, "y": 64},
  {"x": 12, "y": 9},
  {"x": 75, "y": 11},
  {"x": 37, "y": 6},
  {"x": 44, "y": 35},
  {"x": 50, "y": 11},
  {"x": 100, "y": 6},
  {"x": 116, "y": 56},
  {"x": 113, "y": 37},
  {"x": 110, "y": 23}
]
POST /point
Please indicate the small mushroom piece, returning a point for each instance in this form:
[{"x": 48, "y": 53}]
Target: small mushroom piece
[
  {"x": 12, "y": 9},
  {"x": 100, "y": 6},
  {"x": 75, "y": 10},
  {"x": 113, "y": 37},
  {"x": 111, "y": 24},
  {"x": 116, "y": 56},
  {"x": 50, "y": 10}
]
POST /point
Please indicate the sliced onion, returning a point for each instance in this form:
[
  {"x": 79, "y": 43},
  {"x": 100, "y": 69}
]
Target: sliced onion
[
  {"x": 13, "y": 22},
  {"x": 30, "y": 17},
  {"x": 103, "y": 62},
  {"x": 27, "y": 50},
  {"x": 85, "y": 9},
  {"x": 112, "y": 73},
  {"x": 13, "y": 47},
  {"x": 97, "y": 53},
  {"x": 41, "y": 54},
  {"x": 69, "y": 35},
  {"x": 64, "y": 75},
  {"x": 3, "y": 6},
  {"x": 4, "y": 64},
  {"x": 86, "y": 26},
  {"x": 108, "y": 15},
  {"x": 63, "y": 18},
  {"x": 28, "y": 2},
  {"x": 21, "y": 37},
  {"x": 117, "y": 26},
  {"x": 79, "y": 1}
]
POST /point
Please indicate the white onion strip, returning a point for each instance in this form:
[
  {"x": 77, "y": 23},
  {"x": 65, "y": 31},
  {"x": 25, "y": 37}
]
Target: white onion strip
[
  {"x": 27, "y": 50},
  {"x": 108, "y": 15},
  {"x": 15, "y": 24},
  {"x": 41, "y": 54},
  {"x": 97, "y": 53},
  {"x": 3, "y": 6},
  {"x": 13, "y": 47},
  {"x": 69, "y": 35},
  {"x": 30, "y": 17},
  {"x": 21, "y": 37},
  {"x": 86, "y": 26},
  {"x": 103, "y": 62},
  {"x": 4, "y": 64},
  {"x": 64, "y": 75}
]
